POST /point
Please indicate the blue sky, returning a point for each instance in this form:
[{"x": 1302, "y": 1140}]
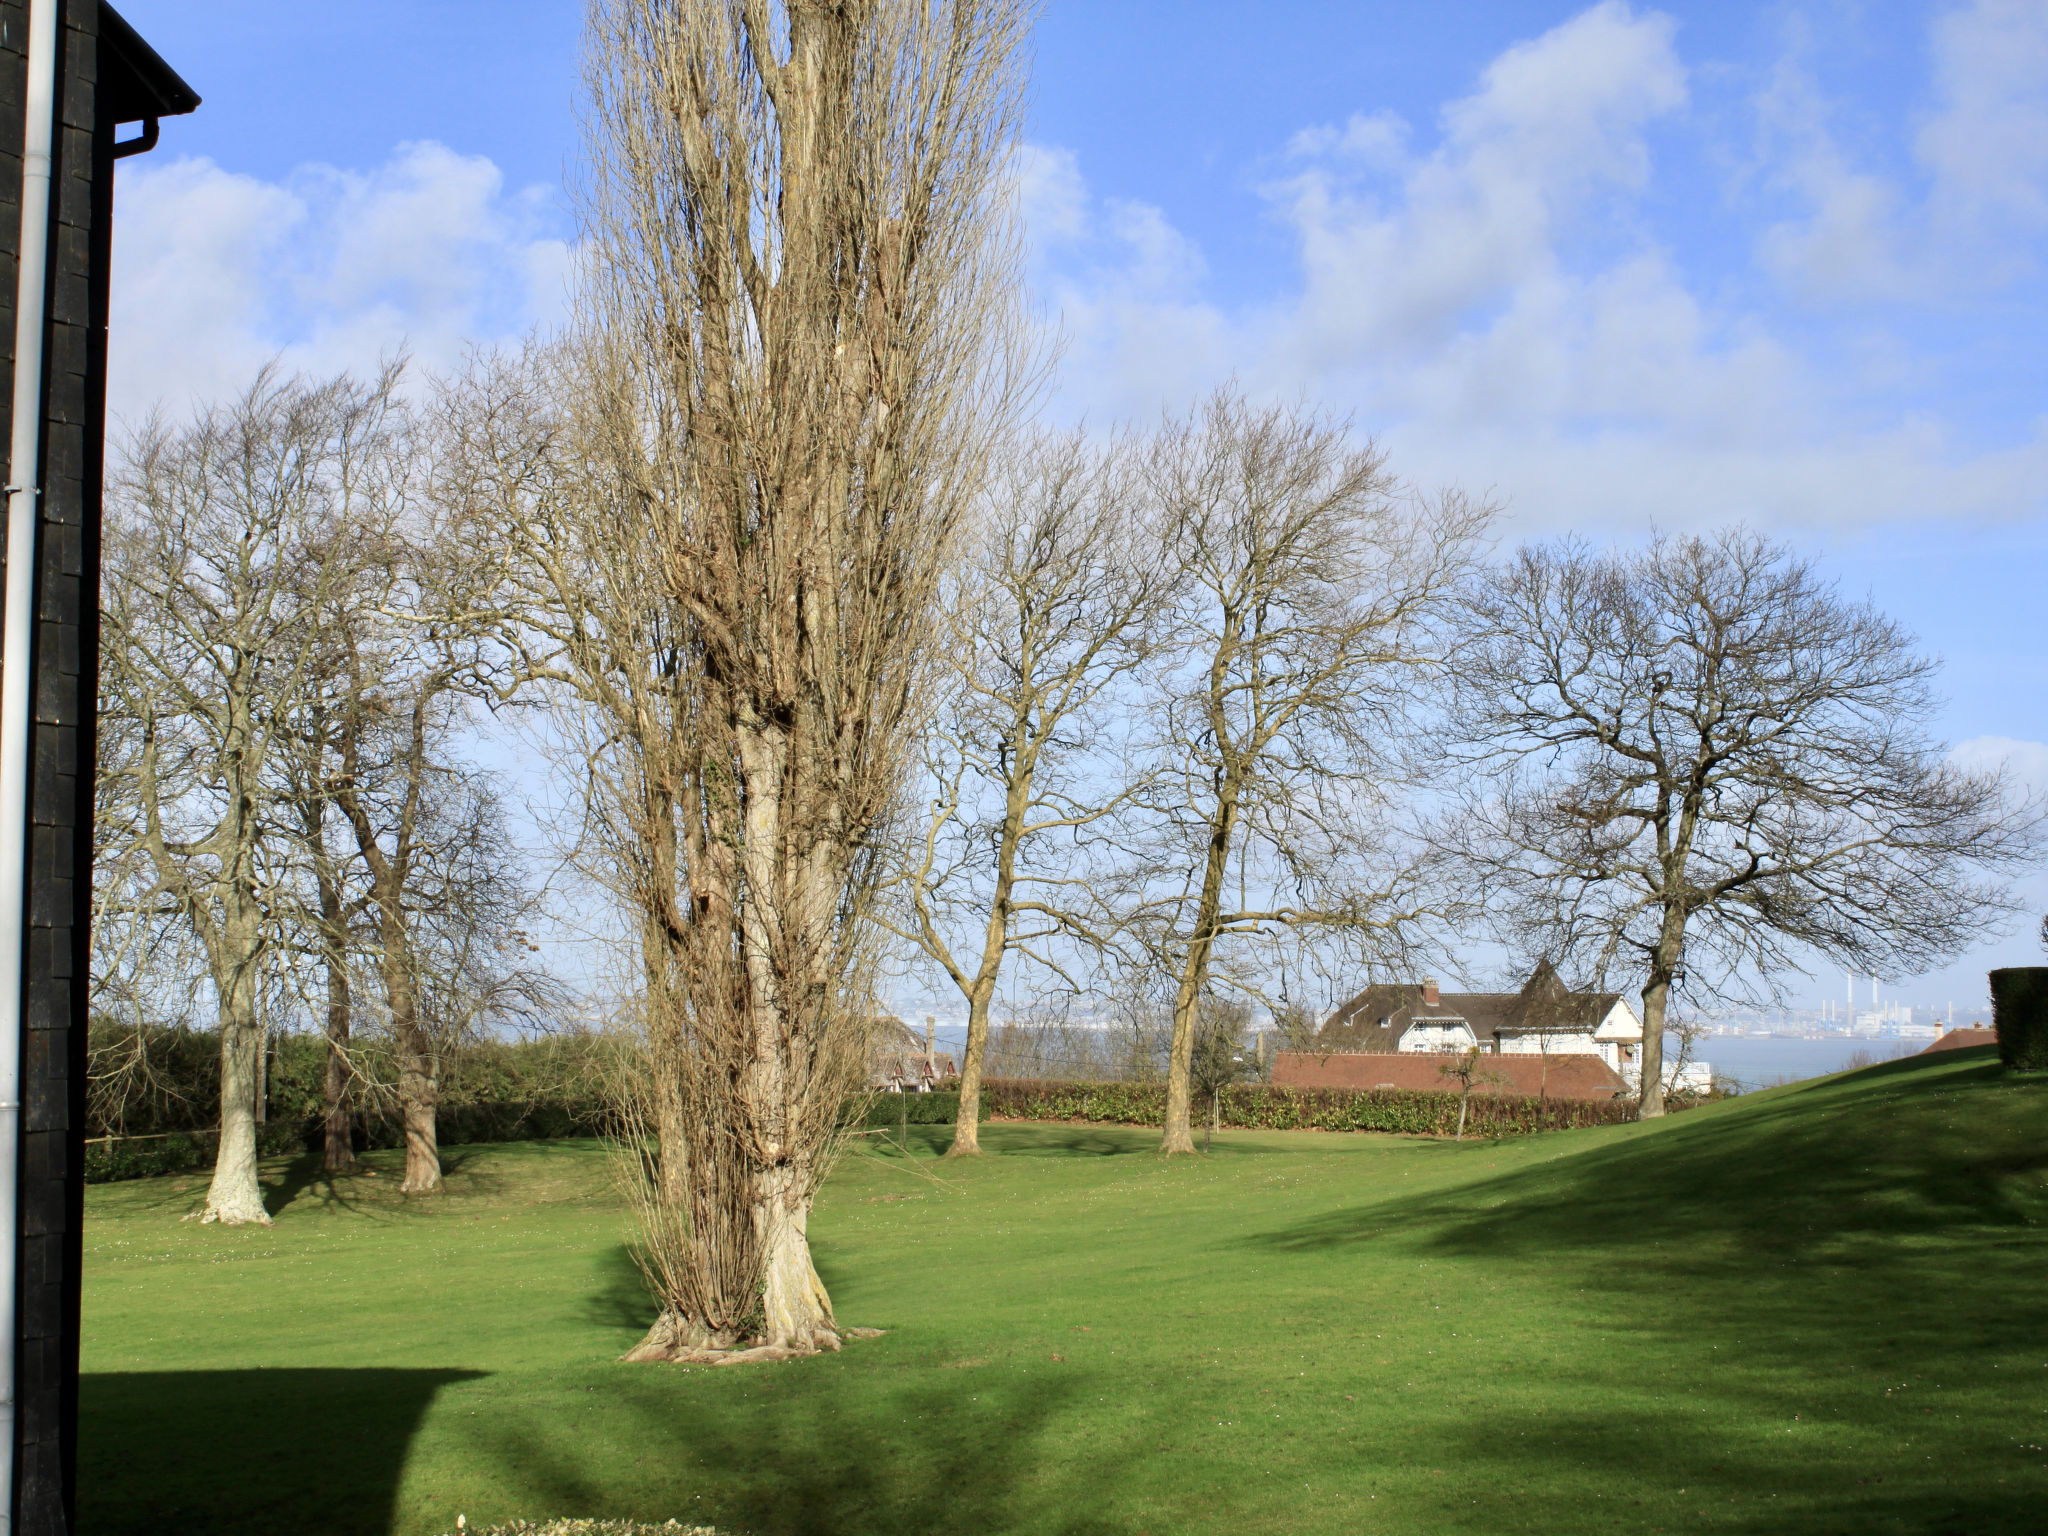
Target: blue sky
[{"x": 1618, "y": 264}]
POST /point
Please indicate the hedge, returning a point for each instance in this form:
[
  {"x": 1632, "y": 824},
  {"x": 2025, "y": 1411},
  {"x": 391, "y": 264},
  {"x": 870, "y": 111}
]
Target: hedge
[
  {"x": 455, "y": 1125},
  {"x": 1261, "y": 1106},
  {"x": 1248, "y": 1106},
  {"x": 2019, "y": 1012},
  {"x": 884, "y": 1111}
]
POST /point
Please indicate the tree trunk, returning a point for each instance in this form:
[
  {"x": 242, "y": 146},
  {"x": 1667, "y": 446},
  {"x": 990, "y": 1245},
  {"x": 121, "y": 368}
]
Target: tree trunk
[
  {"x": 967, "y": 1123},
  {"x": 1179, "y": 1134},
  {"x": 235, "y": 1196},
  {"x": 417, "y": 1093},
  {"x": 1464, "y": 1103},
  {"x": 338, "y": 1151},
  {"x": 796, "y": 1313},
  {"x": 1656, "y": 996}
]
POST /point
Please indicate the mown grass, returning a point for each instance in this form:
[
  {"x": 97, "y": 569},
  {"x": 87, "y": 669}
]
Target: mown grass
[{"x": 1818, "y": 1309}]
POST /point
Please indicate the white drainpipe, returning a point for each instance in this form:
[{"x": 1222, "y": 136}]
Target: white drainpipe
[{"x": 16, "y": 693}]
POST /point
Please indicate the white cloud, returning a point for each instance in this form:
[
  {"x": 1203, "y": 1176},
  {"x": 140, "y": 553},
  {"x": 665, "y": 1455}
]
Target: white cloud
[
  {"x": 1123, "y": 288},
  {"x": 1986, "y": 144},
  {"x": 2025, "y": 761},
  {"x": 1497, "y": 307},
  {"x": 1966, "y": 219},
  {"x": 1554, "y": 124},
  {"x": 215, "y": 273}
]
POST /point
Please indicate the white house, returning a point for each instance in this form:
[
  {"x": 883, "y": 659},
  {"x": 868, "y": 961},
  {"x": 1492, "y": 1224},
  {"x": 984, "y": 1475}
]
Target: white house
[{"x": 1545, "y": 1018}]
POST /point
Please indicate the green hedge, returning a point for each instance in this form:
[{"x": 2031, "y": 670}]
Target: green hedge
[
  {"x": 882, "y": 1110},
  {"x": 1252, "y": 1106},
  {"x": 143, "y": 1157},
  {"x": 2019, "y": 1012},
  {"x": 1261, "y": 1106},
  {"x": 455, "y": 1125}
]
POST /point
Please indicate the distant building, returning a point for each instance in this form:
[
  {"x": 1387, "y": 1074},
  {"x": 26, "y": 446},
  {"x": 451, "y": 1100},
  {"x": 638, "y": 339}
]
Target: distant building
[
  {"x": 1546, "y": 1018},
  {"x": 898, "y": 1062}
]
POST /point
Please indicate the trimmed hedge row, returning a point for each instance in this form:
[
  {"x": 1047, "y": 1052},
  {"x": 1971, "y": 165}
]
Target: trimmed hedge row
[
  {"x": 1261, "y": 1106},
  {"x": 455, "y": 1125},
  {"x": 2019, "y": 1012},
  {"x": 143, "y": 1157},
  {"x": 1250, "y": 1106},
  {"x": 883, "y": 1111}
]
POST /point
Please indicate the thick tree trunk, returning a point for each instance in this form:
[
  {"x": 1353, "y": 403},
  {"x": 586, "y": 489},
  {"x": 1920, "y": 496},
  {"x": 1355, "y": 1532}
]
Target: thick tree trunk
[
  {"x": 967, "y": 1123},
  {"x": 1179, "y": 1135},
  {"x": 795, "y": 1311},
  {"x": 235, "y": 1196},
  {"x": 1656, "y": 999},
  {"x": 417, "y": 1096}
]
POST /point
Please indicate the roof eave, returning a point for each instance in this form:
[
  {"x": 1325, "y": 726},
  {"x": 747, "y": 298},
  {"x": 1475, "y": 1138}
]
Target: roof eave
[{"x": 154, "y": 89}]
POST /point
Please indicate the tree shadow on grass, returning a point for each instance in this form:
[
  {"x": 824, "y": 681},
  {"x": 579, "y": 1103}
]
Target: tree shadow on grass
[
  {"x": 1859, "y": 1254},
  {"x": 302, "y": 1180},
  {"x": 619, "y": 1297},
  {"x": 1906, "y": 1150},
  {"x": 826, "y": 1448},
  {"x": 318, "y": 1452}
]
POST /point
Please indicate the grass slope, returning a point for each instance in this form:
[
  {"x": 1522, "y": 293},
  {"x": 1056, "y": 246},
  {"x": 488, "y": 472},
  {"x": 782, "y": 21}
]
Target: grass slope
[{"x": 1817, "y": 1309}]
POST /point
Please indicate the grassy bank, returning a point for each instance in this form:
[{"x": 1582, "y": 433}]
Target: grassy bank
[{"x": 1816, "y": 1309}]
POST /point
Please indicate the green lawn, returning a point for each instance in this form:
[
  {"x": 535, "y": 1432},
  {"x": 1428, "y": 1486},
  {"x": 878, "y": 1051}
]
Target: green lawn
[{"x": 1820, "y": 1309}]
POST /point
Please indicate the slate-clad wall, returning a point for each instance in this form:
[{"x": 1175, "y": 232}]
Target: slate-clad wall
[{"x": 60, "y": 787}]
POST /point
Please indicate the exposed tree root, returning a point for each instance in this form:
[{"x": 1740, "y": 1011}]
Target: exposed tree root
[{"x": 662, "y": 1346}]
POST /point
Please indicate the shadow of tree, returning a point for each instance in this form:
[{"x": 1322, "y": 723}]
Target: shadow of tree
[
  {"x": 1895, "y": 1151},
  {"x": 262, "y": 1452},
  {"x": 1836, "y": 1272},
  {"x": 801, "y": 1451},
  {"x": 303, "y": 1180},
  {"x": 619, "y": 1297}
]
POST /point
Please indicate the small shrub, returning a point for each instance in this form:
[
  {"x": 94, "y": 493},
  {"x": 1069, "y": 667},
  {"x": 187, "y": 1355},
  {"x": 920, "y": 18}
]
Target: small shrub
[{"x": 2019, "y": 1012}]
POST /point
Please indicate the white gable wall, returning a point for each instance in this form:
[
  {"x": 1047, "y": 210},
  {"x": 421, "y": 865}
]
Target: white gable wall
[
  {"x": 1438, "y": 1035},
  {"x": 1621, "y": 1024}
]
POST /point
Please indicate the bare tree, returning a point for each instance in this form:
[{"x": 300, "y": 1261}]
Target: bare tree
[
  {"x": 788, "y": 364},
  {"x": 1312, "y": 589},
  {"x": 1699, "y": 760},
  {"x": 325, "y": 925},
  {"x": 220, "y": 547},
  {"x": 1052, "y": 610},
  {"x": 413, "y": 648},
  {"x": 1467, "y": 1074}
]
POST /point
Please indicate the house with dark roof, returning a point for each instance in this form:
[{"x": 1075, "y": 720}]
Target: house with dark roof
[
  {"x": 1544, "y": 1018},
  {"x": 899, "y": 1063}
]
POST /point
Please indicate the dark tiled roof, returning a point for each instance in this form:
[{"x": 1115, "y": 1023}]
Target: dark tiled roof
[{"x": 1543, "y": 1006}]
